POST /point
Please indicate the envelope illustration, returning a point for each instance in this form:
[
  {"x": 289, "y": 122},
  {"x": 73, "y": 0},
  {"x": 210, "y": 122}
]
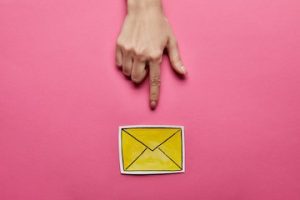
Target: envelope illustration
[{"x": 151, "y": 149}]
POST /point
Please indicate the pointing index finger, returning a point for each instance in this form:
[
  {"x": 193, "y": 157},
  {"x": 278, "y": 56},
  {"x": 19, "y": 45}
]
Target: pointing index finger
[{"x": 154, "y": 83}]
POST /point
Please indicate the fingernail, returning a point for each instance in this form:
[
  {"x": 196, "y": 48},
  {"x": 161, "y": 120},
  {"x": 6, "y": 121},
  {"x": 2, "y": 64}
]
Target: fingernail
[
  {"x": 153, "y": 104},
  {"x": 183, "y": 69}
]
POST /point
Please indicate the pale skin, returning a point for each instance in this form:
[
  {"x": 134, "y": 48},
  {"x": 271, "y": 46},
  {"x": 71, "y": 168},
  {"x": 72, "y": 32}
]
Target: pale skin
[{"x": 145, "y": 34}]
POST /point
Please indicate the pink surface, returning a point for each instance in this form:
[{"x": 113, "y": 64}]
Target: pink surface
[{"x": 62, "y": 100}]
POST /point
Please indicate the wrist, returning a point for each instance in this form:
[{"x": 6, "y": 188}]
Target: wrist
[{"x": 135, "y": 6}]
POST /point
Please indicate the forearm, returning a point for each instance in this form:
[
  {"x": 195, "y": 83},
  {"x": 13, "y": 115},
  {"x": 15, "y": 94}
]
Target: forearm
[{"x": 135, "y": 6}]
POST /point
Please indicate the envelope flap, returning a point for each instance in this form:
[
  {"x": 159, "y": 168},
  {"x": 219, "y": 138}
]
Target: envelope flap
[
  {"x": 152, "y": 137},
  {"x": 131, "y": 149},
  {"x": 153, "y": 160}
]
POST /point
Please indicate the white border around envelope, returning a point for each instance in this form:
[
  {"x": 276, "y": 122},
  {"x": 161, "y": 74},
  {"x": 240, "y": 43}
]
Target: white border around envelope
[{"x": 151, "y": 172}]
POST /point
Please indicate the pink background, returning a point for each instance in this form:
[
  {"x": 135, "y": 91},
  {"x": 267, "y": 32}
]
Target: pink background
[{"x": 62, "y": 100}]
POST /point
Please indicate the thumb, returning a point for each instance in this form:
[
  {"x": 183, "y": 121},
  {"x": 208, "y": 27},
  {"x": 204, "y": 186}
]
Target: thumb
[{"x": 174, "y": 56}]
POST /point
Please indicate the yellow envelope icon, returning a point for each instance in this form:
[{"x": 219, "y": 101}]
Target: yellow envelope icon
[{"x": 151, "y": 149}]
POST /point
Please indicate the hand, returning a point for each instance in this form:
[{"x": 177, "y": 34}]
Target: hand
[{"x": 144, "y": 36}]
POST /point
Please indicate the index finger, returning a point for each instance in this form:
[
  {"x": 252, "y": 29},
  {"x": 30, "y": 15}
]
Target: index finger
[{"x": 154, "y": 83}]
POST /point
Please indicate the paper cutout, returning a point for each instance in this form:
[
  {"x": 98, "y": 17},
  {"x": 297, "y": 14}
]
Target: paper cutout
[{"x": 151, "y": 149}]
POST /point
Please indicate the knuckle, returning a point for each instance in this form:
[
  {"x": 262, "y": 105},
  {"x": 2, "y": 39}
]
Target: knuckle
[
  {"x": 153, "y": 95},
  {"x": 135, "y": 77},
  {"x": 155, "y": 80},
  {"x": 128, "y": 48},
  {"x": 139, "y": 52},
  {"x": 142, "y": 58},
  {"x": 126, "y": 71},
  {"x": 134, "y": 80},
  {"x": 155, "y": 55},
  {"x": 120, "y": 42}
]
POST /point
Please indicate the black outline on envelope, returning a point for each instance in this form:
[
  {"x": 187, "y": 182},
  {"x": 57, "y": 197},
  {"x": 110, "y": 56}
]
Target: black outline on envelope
[{"x": 157, "y": 147}]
